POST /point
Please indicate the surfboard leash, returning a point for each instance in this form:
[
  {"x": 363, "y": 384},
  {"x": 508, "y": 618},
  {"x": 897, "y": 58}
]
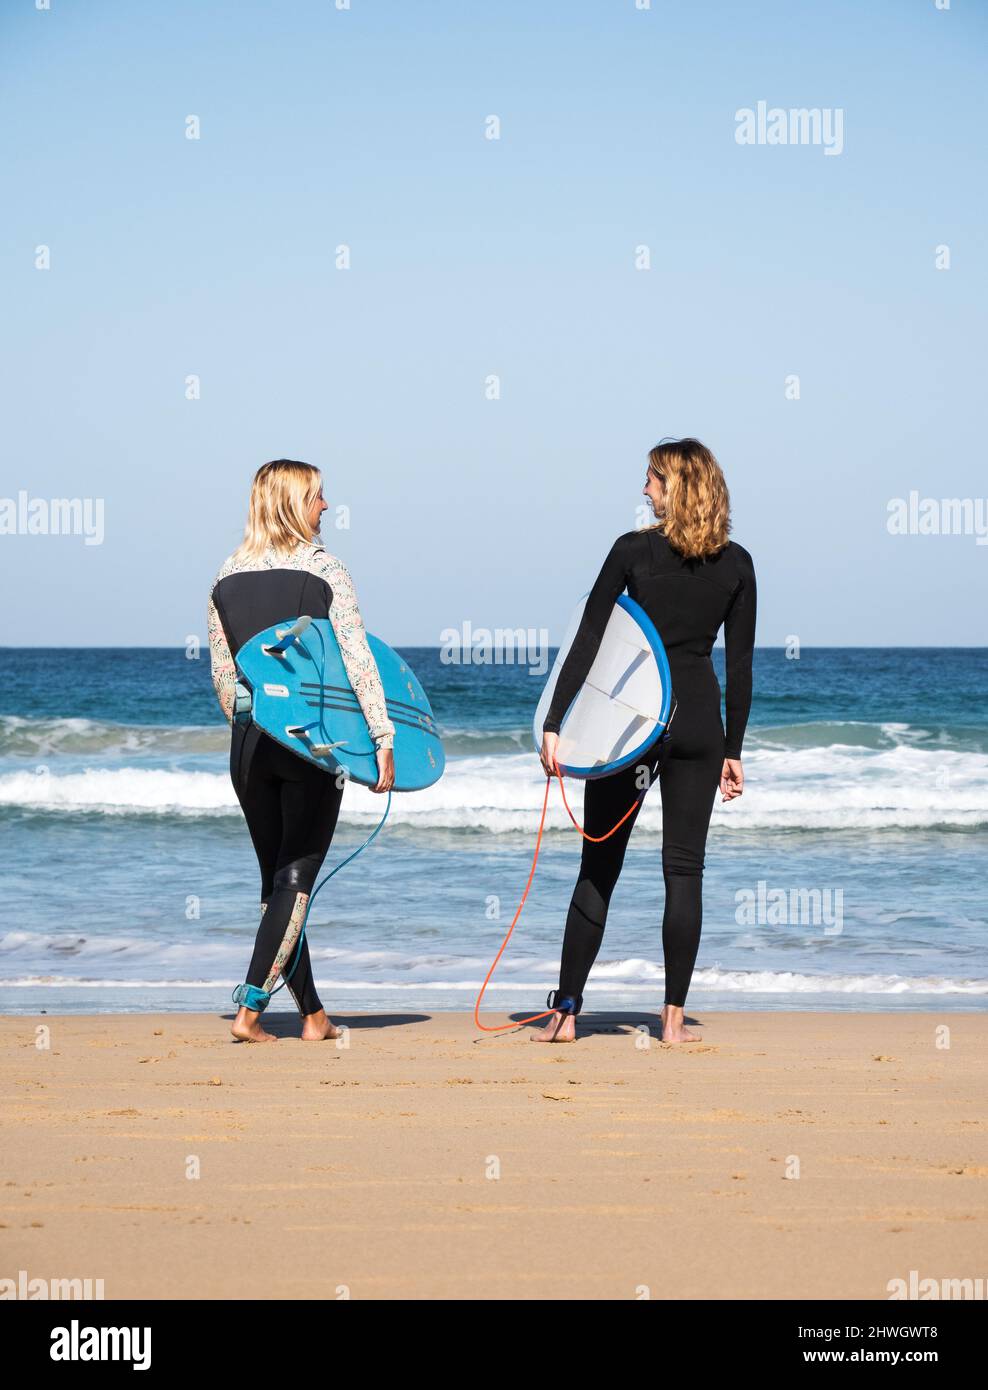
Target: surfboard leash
[
  {"x": 599, "y": 839},
  {"x": 520, "y": 1022},
  {"x": 342, "y": 865},
  {"x": 502, "y": 1027},
  {"x": 594, "y": 839}
]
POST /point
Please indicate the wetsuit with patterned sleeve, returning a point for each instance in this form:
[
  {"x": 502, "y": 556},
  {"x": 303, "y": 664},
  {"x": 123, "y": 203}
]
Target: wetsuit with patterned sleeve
[
  {"x": 688, "y": 601},
  {"x": 291, "y": 806}
]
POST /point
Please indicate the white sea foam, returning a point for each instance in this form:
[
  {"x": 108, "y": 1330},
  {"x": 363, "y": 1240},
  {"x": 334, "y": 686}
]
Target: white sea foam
[
  {"x": 836, "y": 787},
  {"x": 31, "y": 736},
  {"x": 743, "y": 982}
]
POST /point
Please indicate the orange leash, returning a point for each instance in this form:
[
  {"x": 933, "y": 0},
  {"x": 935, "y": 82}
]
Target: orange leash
[
  {"x": 514, "y": 922},
  {"x": 596, "y": 840}
]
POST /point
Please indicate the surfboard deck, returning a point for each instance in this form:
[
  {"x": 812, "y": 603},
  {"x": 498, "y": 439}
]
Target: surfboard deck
[
  {"x": 302, "y": 698},
  {"x": 623, "y": 706}
]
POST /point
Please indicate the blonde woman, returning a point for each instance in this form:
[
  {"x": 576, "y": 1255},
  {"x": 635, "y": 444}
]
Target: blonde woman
[
  {"x": 291, "y": 806},
  {"x": 690, "y": 579}
]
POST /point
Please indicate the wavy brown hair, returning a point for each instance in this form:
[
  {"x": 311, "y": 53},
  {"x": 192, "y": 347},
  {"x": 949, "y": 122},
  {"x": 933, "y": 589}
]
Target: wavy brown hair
[
  {"x": 697, "y": 515},
  {"x": 282, "y": 493}
]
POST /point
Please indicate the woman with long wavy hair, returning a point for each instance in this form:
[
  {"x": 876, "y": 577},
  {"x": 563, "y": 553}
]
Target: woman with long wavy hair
[
  {"x": 281, "y": 571},
  {"x": 690, "y": 579}
]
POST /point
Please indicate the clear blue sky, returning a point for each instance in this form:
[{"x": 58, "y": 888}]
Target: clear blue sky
[{"x": 470, "y": 257}]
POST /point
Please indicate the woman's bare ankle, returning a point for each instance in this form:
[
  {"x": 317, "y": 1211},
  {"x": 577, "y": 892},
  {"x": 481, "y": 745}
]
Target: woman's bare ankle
[
  {"x": 246, "y": 1027},
  {"x": 317, "y": 1027},
  {"x": 561, "y": 1027},
  {"x": 674, "y": 1024}
]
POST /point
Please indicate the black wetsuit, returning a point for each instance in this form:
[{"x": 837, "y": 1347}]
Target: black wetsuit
[{"x": 687, "y": 600}]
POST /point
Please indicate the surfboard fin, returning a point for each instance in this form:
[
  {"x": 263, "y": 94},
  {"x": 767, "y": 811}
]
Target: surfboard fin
[
  {"x": 318, "y": 750},
  {"x": 288, "y": 635}
]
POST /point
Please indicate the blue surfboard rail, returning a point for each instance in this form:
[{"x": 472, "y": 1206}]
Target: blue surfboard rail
[
  {"x": 301, "y": 697},
  {"x": 648, "y": 628}
]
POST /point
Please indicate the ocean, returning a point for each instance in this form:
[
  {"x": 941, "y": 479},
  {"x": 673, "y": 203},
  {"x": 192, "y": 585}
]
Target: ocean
[{"x": 850, "y": 875}]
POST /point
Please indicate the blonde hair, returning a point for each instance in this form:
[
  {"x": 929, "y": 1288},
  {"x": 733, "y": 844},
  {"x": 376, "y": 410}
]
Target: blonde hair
[
  {"x": 280, "y": 497},
  {"x": 697, "y": 515}
]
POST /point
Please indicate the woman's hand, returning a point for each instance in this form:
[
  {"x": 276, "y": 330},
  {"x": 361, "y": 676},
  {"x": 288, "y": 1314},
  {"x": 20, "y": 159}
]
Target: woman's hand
[
  {"x": 385, "y": 770},
  {"x": 731, "y": 779},
  {"x": 550, "y": 742}
]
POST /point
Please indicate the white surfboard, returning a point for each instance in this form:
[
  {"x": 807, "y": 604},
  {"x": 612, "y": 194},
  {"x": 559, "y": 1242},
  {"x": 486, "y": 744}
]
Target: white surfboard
[{"x": 623, "y": 705}]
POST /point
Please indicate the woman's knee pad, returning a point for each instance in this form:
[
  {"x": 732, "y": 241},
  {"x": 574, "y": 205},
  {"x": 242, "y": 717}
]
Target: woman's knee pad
[{"x": 297, "y": 877}]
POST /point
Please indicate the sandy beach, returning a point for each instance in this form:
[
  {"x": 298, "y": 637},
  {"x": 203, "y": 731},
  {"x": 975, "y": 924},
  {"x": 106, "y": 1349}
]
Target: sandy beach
[{"x": 787, "y": 1155}]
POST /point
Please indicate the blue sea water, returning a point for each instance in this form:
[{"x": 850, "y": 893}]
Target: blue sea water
[{"x": 850, "y": 875}]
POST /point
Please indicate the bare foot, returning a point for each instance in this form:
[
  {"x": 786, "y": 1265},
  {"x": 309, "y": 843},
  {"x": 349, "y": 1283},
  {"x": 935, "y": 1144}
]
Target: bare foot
[
  {"x": 560, "y": 1028},
  {"x": 246, "y": 1027},
  {"x": 317, "y": 1027},
  {"x": 673, "y": 1029}
]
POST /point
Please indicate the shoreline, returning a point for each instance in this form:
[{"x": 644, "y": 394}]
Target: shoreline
[{"x": 192, "y": 1002}]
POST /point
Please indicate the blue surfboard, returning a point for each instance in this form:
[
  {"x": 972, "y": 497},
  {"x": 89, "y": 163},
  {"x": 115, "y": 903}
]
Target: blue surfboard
[{"x": 294, "y": 686}]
